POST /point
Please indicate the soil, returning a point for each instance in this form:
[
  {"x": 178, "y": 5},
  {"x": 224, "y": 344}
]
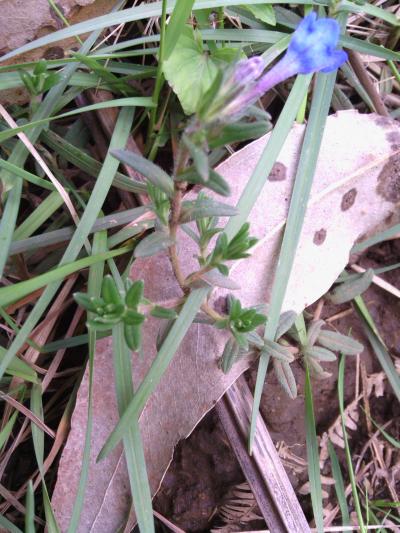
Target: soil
[{"x": 204, "y": 468}]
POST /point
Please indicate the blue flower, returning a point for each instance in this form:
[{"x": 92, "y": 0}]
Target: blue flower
[{"x": 312, "y": 48}]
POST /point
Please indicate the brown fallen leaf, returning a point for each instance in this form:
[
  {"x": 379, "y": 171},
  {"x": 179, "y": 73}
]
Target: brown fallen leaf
[
  {"x": 22, "y": 22},
  {"x": 355, "y": 193}
]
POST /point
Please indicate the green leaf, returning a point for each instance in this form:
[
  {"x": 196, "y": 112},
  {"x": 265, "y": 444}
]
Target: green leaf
[
  {"x": 348, "y": 290},
  {"x": 286, "y": 321},
  {"x": 278, "y": 351},
  {"x": 229, "y": 355},
  {"x": 322, "y": 354},
  {"x": 110, "y": 292},
  {"x": 265, "y": 13},
  {"x": 199, "y": 156},
  {"x": 189, "y": 70},
  {"x": 339, "y": 343},
  {"x": 152, "y": 244},
  {"x": 285, "y": 376},
  {"x": 313, "y": 331},
  {"x": 240, "y": 131},
  {"x": 134, "y": 294},
  {"x": 152, "y": 172},
  {"x": 205, "y": 207}
]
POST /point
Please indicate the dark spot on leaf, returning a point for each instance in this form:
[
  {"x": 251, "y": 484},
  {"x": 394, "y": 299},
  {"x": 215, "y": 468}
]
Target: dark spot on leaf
[
  {"x": 319, "y": 236},
  {"x": 393, "y": 137},
  {"x": 278, "y": 172},
  {"x": 389, "y": 180},
  {"x": 55, "y": 52},
  {"x": 348, "y": 199},
  {"x": 385, "y": 122}
]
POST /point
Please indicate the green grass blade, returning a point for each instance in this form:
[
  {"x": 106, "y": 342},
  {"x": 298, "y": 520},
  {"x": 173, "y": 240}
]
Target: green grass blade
[
  {"x": 20, "y": 153},
  {"x": 88, "y": 164},
  {"x": 394, "y": 442},
  {"x": 176, "y": 24},
  {"x": 346, "y": 445},
  {"x": 269, "y": 156},
  {"x": 51, "y": 522},
  {"x": 379, "y": 237},
  {"x": 95, "y": 279},
  {"x": 134, "y": 101},
  {"x": 369, "y": 9},
  {"x": 7, "y": 429},
  {"x": 37, "y": 432},
  {"x": 313, "y": 456},
  {"x": 157, "y": 369},
  {"x": 30, "y": 509},
  {"x": 64, "y": 234},
  {"x": 99, "y": 193},
  {"x": 339, "y": 485},
  {"x": 378, "y": 346},
  {"x": 12, "y": 293},
  {"x": 38, "y": 216},
  {"x": 25, "y": 175},
  {"x": 298, "y": 205},
  {"x": 365, "y": 47},
  {"x": 9, "y": 526},
  {"x": 133, "y": 447}
]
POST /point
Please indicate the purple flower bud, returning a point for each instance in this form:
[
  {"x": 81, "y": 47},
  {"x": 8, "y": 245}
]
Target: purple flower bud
[{"x": 248, "y": 70}]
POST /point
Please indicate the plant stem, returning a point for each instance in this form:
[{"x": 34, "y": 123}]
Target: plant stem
[{"x": 176, "y": 208}]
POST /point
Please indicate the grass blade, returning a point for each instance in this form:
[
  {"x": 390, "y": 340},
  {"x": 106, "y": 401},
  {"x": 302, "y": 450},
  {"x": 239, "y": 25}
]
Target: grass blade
[
  {"x": 89, "y": 217},
  {"x": 20, "y": 153},
  {"x": 346, "y": 445},
  {"x": 30, "y": 509},
  {"x": 298, "y": 205},
  {"x": 269, "y": 156},
  {"x": 313, "y": 456},
  {"x": 176, "y": 24},
  {"x": 12, "y": 293},
  {"x": 8, "y": 526},
  {"x": 133, "y": 447},
  {"x": 135, "y": 101},
  {"x": 94, "y": 289},
  {"x": 157, "y": 369},
  {"x": 377, "y": 345},
  {"x": 339, "y": 484}
]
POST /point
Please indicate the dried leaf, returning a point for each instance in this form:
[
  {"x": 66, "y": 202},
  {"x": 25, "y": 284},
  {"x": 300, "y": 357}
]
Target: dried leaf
[{"x": 355, "y": 193}]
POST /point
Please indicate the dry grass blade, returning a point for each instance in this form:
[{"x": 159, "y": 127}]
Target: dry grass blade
[
  {"x": 27, "y": 412},
  {"x": 22, "y": 136}
]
